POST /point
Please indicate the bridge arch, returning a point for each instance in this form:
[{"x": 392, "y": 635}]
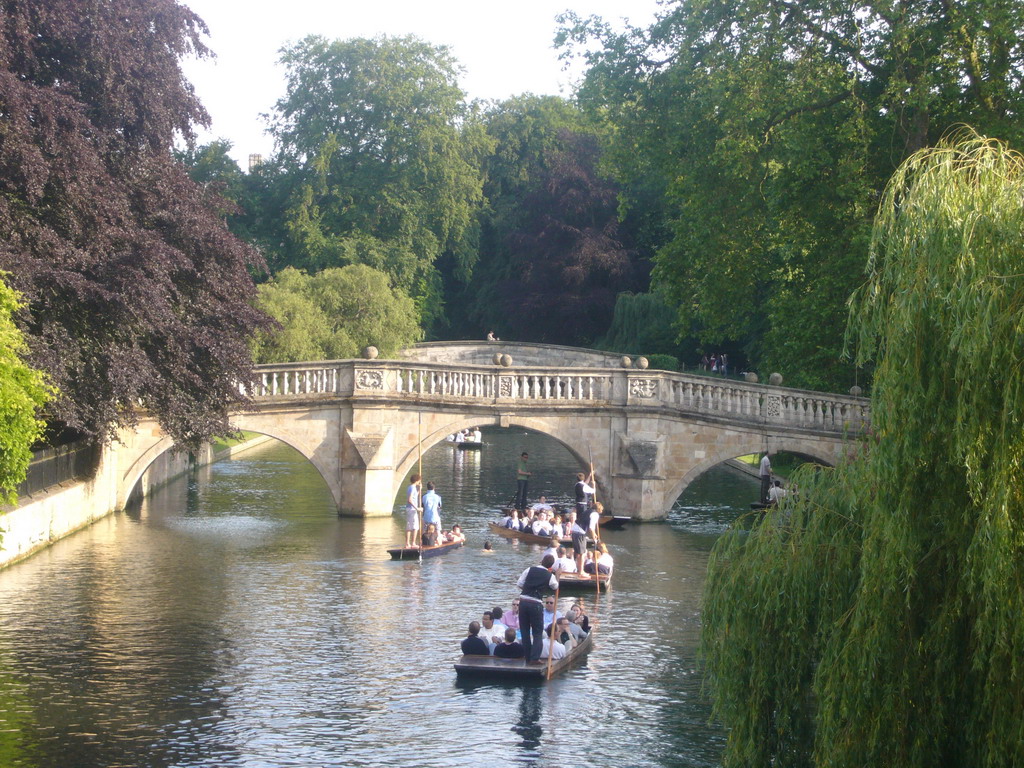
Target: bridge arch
[
  {"x": 680, "y": 484},
  {"x": 132, "y": 475},
  {"x": 439, "y": 434}
]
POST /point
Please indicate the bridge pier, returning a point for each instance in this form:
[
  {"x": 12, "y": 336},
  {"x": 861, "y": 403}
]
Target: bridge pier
[{"x": 367, "y": 482}]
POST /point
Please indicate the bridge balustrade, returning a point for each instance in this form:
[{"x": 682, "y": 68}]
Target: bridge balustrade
[{"x": 699, "y": 395}]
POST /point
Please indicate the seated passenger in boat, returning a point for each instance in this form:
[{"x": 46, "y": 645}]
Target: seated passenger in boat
[
  {"x": 510, "y": 618},
  {"x": 605, "y": 563},
  {"x": 545, "y": 650},
  {"x": 460, "y": 436},
  {"x": 550, "y": 612},
  {"x": 455, "y": 534},
  {"x": 509, "y": 648},
  {"x": 491, "y": 631},
  {"x": 564, "y": 563},
  {"x": 511, "y": 520},
  {"x": 541, "y": 526},
  {"x": 564, "y": 635},
  {"x": 526, "y": 520},
  {"x": 577, "y": 616},
  {"x": 476, "y": 435},
  {"x": 473, "y": 645},
  {"x": 552, "y": 550},
  {"x": 776, "y": 492},
  {"x": 541, "y": 505},
  {"x": 430, "y": 536}
]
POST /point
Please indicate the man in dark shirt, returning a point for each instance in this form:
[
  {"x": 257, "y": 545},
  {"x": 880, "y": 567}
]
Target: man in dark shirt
[
  {"x": 511, "y": 648},
  {"x": 474, "y": 645}
]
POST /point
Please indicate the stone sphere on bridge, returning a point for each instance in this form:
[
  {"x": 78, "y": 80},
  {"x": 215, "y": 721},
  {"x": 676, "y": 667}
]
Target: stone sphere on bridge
[
  {"x": 497, "y": 358},
  {"x": 370, "y": 353},
  {"x": 855, "y": 390},
  {"x": 506, "y": 360},
  {"x": 775, "y": 379},
  {"x": 642, "y": 363},
  {"x": 626, "y": 362},
  {"x": 750, "y": 377}
]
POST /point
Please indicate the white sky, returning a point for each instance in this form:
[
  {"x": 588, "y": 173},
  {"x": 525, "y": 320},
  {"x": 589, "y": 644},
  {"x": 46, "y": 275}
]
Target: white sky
[{"x": 504, "y": 49}]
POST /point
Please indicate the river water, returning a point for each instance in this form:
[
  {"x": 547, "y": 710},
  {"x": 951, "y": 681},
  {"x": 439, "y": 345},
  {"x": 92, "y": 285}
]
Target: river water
[{"x": 234, "y": 620}]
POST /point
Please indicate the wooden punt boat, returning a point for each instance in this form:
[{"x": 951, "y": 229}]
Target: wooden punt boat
[
  {"x": 573, "y": 582},
  {"x": 469, "y": 446},
  {"x": 518, "y": 669},
  {"x": 413, "y": 553},
  {"x": 529, "y": 538}
]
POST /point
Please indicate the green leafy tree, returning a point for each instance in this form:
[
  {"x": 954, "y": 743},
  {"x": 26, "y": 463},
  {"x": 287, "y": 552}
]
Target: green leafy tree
[
  {"x": 387, "y": 158},
  {"x": 876, "y": 620},
  {"x": 642, "y": 323},
  {"x": 758, "y": 134},
  {"x": 334, "y": 314},
  {"x": 23, "y": 392},
  {"x": 137, "y": 293}
]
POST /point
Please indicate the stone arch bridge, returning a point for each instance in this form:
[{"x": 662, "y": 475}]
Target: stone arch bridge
[{"x": 651, "y": 433}]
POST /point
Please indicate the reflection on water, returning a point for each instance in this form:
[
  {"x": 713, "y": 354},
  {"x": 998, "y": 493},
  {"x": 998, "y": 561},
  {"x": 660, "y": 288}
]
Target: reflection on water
[{"x": 234, "y": 620}]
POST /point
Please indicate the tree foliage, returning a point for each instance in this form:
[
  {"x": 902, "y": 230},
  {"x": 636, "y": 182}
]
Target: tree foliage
[
  {"x": 876, "y": 621},
  {"x": 553, "y": 252},
  {"x": 758, "y": 135},
  {"x": 334, "y": 314},
  {"x": 23, "y": 391},
  {"x": 387, "y": 161},
  {"x": 137, "y": 293},
  {"x": 642, "y": 323}
]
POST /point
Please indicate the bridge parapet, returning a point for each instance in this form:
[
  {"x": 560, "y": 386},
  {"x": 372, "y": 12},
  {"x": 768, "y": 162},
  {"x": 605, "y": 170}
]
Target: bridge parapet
[{"x": 556, "y": 388}]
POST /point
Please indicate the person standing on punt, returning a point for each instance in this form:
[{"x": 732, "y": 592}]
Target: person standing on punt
[
  {"x": 584, "y": 493},
  {"x": 522, "y": 480},
  {"x": 765, "y": 472},
  {"x": 412, "y": 511},
  {"x": 431, "y": 508},
  {"x": 533, "y": 581}
]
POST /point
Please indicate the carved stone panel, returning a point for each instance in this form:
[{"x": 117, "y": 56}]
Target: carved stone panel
[
  {"x": 644, "y": 455},
  {"x": 370, "y": 379},
  {"x": 773, "y": 406},
  {"x": 505, "y": 386},
  {"x": 645, "y": 388},
  {"x": 638, "y": 458}
]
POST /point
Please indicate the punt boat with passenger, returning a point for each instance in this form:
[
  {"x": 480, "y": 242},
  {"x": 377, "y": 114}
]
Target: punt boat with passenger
[
  {"x": 413, "y": 553},
  {"x": 530, "y": 538},
  {"x": 573, "y": 582},
  {"x": 519, "y": 669}
]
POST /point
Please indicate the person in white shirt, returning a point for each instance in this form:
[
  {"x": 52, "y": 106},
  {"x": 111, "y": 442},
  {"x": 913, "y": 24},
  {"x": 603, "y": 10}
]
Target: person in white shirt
[
  {"x": 477, "y": 437},
  {"x": 491, "y": 631},
  {"x": 776, "y": 492},
  {"x": 765, "y": 471},
  {"x": 605, "y": 563},
  {"x": 541, "y": 526},
  {"x": 564, "y": 563},
  {"x": 559, "y": 652},
  {"x": 593, "y": 520},
  {"x": 542, "y": 505},
  {"x": 460, "y": 437},
  {"x": 553, "y": 551}
]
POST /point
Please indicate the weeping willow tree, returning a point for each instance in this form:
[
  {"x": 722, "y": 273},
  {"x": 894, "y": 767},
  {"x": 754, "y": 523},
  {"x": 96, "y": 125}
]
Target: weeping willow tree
[{"x": 879, "y": 619}]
